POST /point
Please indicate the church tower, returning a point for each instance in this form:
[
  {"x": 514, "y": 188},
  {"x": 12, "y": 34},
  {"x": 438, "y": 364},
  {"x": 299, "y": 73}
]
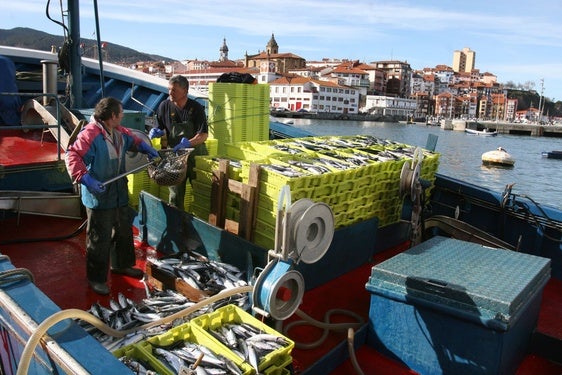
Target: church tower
[
  {"x": 272, "y": 48},
  {"x": 223, "y": 51}
]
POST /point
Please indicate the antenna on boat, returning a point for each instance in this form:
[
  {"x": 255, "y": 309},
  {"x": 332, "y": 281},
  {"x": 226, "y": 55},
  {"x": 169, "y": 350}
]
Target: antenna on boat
[
  {"x": 98, "y": 40},
  {"x": 75, "y": 59}
]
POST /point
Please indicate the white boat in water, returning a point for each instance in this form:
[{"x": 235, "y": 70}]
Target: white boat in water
[
  {"x": 484, "y": 132},
  {"x": 498, "y": 157}
]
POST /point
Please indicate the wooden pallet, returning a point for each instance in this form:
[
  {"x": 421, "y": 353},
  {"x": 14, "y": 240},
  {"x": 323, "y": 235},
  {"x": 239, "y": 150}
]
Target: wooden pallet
[
  {"x": 248, "y": 200},
  {"x": 164, "y": 280}
]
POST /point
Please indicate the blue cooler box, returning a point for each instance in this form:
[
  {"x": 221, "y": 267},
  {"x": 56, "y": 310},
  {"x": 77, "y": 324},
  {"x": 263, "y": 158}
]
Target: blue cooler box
[{"x": 453, "y": 307}]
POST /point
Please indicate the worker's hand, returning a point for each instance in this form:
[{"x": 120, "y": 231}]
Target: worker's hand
[
  {"x": 155, "y": 133},
  {"x": 184, "y": 143},
  {"x": 146, "y": 149},
  {"x": 93, "y": 185}
]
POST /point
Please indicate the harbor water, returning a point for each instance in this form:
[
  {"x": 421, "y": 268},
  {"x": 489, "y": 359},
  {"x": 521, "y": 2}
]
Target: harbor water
[{"x": 534, "y": 176}]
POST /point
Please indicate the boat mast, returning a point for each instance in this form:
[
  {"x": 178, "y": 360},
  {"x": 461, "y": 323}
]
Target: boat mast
[
  {"x": 75, "y": 60},
  {"x": 541, "y": 102}
]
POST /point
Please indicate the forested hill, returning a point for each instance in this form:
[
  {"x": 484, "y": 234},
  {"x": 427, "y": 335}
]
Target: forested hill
[
  {"x": 33, "y": 39},
  {"x": 531, "y": 99}
]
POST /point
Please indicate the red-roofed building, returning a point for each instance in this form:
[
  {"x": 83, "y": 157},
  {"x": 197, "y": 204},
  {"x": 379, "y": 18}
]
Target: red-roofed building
[
  {"x": 297, "y": 92},
  {"x": 271, "y": 60}
]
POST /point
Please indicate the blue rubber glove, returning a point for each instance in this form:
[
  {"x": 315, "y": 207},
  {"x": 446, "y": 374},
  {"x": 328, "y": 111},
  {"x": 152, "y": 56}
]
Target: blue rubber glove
[
  {"x": 92, "y": 184},
  {"x": 155, "y": 133},
  {"x": 146, "y": 149},
  {"x": 184, "y": 143}
]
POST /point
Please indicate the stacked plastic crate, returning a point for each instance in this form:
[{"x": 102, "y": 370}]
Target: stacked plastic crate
[
  {"x": 202, "y": 185},
  {"x": 140, "y": 181},
  {"x": 357, "y": 176},
  {"x": 238, "y": 112}
]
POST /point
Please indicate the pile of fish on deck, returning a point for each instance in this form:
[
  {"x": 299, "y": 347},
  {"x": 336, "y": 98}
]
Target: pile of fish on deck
[
  {"x": 124, "y": 314},
  {"x": 357, "y": 176},
  {"x": 220, "y": 338}
]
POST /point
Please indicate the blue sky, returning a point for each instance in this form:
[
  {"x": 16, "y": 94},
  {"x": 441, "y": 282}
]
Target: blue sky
[{"x": 518, "y": 41}]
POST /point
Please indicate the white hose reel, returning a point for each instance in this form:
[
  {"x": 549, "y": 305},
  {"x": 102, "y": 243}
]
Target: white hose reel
[
  {"x": 410, "y": 175},
  {"x": 411, "y": 184},
  {"x": 304, "y": 232}
]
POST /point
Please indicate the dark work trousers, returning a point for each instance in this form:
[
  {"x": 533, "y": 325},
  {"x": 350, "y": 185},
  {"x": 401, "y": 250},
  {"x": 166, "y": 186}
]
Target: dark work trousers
[
  {"x": 177, "y": 195},
  {"x": 109, "y": 241}
]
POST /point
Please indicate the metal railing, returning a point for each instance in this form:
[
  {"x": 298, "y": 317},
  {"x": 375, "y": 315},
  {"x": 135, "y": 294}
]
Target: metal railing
[{"x": 20, "y": 126}]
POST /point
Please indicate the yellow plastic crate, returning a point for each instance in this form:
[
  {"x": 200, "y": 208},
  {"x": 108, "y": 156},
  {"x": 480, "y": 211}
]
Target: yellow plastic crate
[
  {"x": 210, "y": 164},
  {"x": 137, "y": 182},
  {"x": 263, "y": 240},
  {"x": 238, "y": 112},
  {"x": 212, "y": 145},
  {"x": 186, "y": 333},
  {"x": 201, "y": 189},
  {"x": 280, "y": 369},
  {"x": 138, "y": 353},
  {"x": 231, "y": 314}
]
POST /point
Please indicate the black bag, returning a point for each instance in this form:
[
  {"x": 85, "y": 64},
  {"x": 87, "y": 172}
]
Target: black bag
[{"x": 236, "y": 77}]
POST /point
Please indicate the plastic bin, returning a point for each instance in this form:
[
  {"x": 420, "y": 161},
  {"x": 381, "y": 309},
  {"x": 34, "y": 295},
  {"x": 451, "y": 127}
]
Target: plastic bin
[
  {"x": 231, "y": 314},
  {"x": 453, "y": 307},
  {"x": 186, "y": 333}
]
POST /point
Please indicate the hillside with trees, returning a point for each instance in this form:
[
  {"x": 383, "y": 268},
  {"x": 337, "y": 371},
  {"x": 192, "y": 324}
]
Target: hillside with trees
[{"x": 33, "y": 39}]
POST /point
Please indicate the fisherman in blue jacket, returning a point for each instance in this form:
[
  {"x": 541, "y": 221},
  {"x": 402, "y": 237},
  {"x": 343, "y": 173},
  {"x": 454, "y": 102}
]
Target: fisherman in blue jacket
[
  {"x": 98, "y": 154},
  {"x": 184, "y": 122}
]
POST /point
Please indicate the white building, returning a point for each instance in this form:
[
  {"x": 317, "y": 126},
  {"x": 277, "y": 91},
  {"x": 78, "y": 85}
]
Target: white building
[
  {"x": 295, "y": 93},
  {"x": 422, "y": 83},
  {"x": 390, "y": 106}
]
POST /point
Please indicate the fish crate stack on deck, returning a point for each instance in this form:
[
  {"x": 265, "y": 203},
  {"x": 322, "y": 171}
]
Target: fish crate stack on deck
[
  {"x": 357, "y": 176},
  {"x": 238, "y": 112}
]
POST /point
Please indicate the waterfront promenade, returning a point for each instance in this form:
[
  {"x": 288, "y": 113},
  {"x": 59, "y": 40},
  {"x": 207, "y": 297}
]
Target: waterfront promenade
[{"x": 534, "y": 130}]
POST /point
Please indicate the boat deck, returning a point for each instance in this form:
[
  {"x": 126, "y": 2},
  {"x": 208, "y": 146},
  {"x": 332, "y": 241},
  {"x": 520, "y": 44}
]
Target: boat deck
[
  {"x": 59, "y": 271},
  {"x": 53, "y": 250},
  {"x": 35, "y": 148}
]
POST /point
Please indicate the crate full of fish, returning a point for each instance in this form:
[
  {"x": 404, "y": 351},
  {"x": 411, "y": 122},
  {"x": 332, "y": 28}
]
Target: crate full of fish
[
  {"x": 139, "y": 360},
  {"x": 255, "y": 342},
  {"x": 195, "y": 276},
  {"x": 181, "y": 349}
]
